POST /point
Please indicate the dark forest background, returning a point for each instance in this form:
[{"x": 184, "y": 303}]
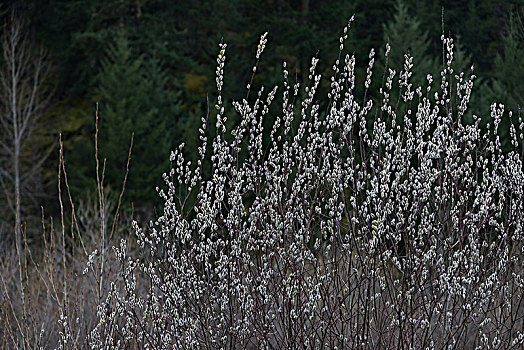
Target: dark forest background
[{"x": 150, "y": 64}]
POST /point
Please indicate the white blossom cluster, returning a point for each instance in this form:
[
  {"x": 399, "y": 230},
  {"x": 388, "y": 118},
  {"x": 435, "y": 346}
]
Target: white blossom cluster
[{"x": 376, "y": 225}]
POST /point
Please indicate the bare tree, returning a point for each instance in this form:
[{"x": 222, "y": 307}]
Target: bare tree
[{"x": 24, "y": 94}]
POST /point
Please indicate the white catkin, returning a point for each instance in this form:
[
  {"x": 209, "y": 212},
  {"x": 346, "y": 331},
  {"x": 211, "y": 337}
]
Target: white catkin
[{"x": 362, "y": 225}]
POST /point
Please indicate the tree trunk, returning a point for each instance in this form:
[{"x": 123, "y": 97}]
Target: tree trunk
[
  {"x": 14, "y": 72},
  {"x": 23, "y": 97}
]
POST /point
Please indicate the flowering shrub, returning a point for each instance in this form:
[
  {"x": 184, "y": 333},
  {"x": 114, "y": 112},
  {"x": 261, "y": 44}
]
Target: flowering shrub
[{"x": 379, "y": 224}]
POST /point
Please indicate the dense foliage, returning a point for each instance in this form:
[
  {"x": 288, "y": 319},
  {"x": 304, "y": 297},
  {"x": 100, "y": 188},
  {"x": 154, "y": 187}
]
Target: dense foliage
[
  {"x": 162, "y": 72},
  {"x": 371, "y": 205},
  {"x": 415, "y": 243}
]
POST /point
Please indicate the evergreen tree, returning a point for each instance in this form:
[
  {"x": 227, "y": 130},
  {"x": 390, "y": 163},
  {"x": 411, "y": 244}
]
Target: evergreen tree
[
  {"x": 404, "y": 35},
  {"x": 509, "y": 65},
  {"x": 133, "y": 99},
  {"x": 506, "y": 85}
]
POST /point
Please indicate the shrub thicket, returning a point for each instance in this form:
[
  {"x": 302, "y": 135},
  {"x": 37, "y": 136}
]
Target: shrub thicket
[{"x": 374, "y": 224}]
